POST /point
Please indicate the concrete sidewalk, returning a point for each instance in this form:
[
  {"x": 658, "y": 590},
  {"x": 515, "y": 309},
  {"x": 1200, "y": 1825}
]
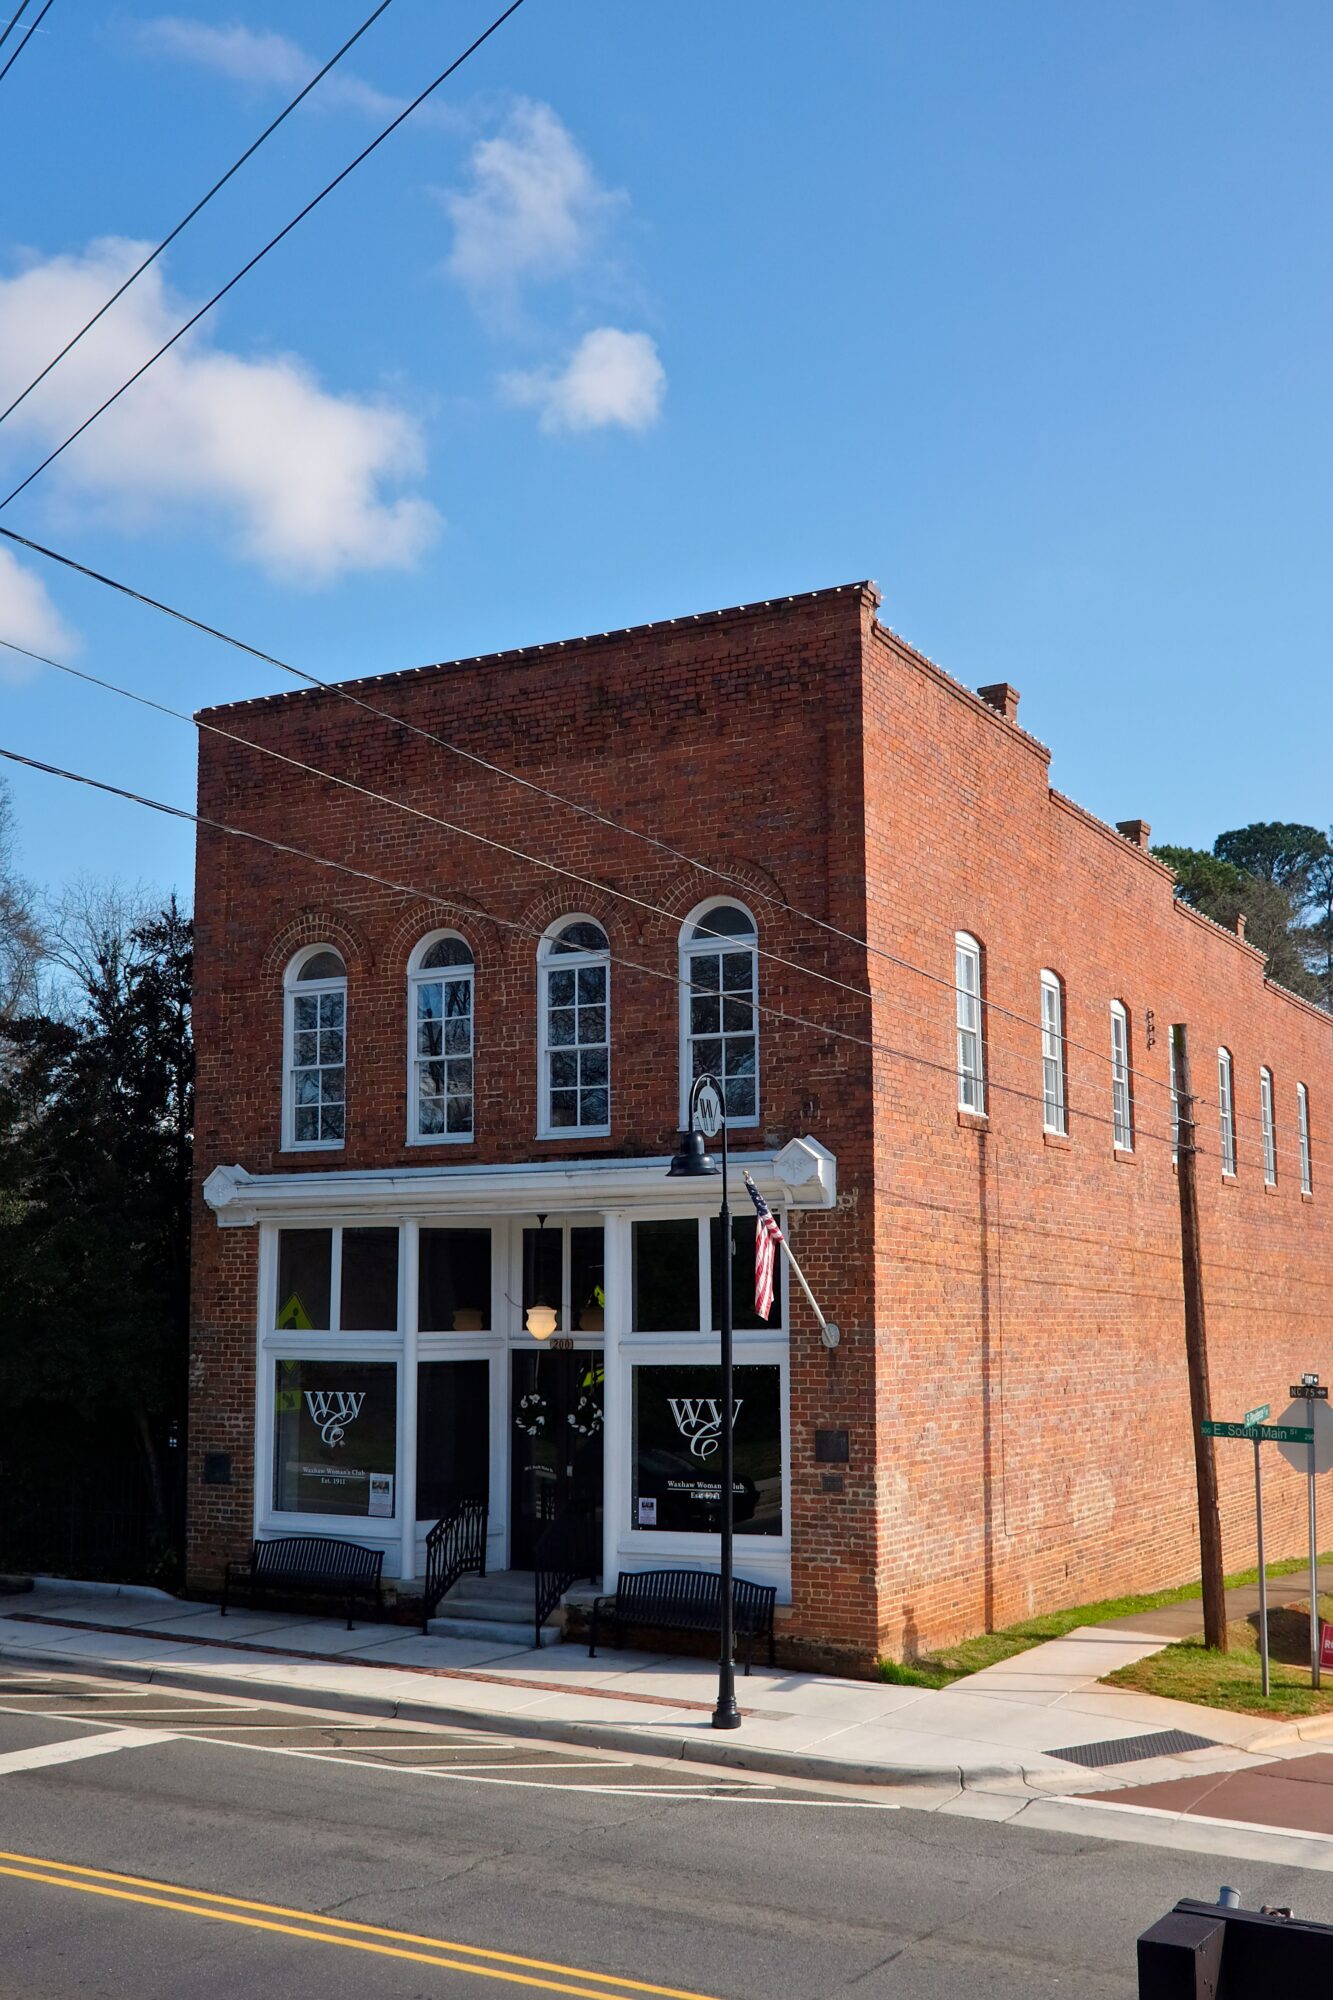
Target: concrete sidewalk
[{"x": 1001, "y": 1730}]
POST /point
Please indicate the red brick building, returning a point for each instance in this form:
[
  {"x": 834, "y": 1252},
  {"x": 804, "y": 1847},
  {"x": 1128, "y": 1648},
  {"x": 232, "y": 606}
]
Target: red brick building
[{"x": 438, "y": 1094}]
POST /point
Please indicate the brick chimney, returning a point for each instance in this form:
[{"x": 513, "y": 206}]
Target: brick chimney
[
  {"x": 1136, "y": 830},
  {"x": 1002, "y": 698},
  {"x": 1240, "y": 923}
]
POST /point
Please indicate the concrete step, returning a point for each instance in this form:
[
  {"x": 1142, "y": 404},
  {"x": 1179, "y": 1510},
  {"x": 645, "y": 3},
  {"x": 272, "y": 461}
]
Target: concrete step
[{"x": 498, "y": 1631}]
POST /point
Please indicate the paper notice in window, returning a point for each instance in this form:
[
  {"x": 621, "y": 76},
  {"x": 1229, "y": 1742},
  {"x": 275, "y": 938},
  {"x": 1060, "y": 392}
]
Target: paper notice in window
[
  {"x": 648, "y": 1513},
  {"x": 381, "y": 1495}
]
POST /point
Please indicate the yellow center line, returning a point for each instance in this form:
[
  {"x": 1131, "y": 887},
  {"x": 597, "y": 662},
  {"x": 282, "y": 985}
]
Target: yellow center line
[{"x": 318, "y": 1929}]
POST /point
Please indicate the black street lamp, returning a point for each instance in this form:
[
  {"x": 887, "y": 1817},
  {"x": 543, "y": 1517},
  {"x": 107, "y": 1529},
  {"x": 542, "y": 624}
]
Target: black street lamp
[{"x": 707, "y": 1117}]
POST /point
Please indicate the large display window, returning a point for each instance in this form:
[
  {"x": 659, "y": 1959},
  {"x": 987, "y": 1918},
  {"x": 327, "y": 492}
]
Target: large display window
[
  {"x": 335, "y": 1437},
  {"x": 677, "y": 1437}
]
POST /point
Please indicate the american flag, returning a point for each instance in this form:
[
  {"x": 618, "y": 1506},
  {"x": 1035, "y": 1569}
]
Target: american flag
[{"x": 767, "y": 1237}]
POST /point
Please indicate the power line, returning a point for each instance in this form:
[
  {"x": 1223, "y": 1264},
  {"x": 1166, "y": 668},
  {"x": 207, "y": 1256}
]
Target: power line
[
  {"x": 507, "y": 923},
  {"x": 185, "y": 220},
  {"x": 13, "y": 22},
  {"x": 344, "y": 693},
  {"x": 272, "y": 244},
  {"x": 27, "y": 37}
]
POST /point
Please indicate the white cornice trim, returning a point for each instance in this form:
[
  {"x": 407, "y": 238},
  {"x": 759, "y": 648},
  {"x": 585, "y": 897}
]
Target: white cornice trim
[{"x": 803, "y": 1174}]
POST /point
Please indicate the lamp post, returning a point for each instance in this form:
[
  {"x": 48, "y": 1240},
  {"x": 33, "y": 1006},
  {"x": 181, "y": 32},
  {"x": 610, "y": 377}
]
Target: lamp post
[{"x": 707, "y": 1118}]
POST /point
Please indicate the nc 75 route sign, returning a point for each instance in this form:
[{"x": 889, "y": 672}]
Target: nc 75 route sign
[{"x": 1267, "y": 1433}]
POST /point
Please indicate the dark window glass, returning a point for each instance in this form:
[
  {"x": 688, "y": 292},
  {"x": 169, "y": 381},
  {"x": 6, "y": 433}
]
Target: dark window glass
[
  {"x": 453, "y": 1432},
  {"x": 370, "y": 1281},
  {"x": 335, "y": 1435},
  {"x": 587, "y": 1280},
  {"x": 666, "y": 1277},
  {"x": 543, "y": 1269},
  {"x": 677, "y": 1441},
  {"x": 454, "y": 1269},
  {"x": 305, "y": 1260},
  {"x": 743, "y": 1314}
]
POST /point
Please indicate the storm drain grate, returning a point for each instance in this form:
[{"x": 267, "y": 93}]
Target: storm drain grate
[{"x": 1129, "y": 1749}]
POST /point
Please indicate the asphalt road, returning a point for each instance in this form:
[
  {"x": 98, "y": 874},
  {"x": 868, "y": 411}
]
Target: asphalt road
[{"x": 207, "y": 1848}]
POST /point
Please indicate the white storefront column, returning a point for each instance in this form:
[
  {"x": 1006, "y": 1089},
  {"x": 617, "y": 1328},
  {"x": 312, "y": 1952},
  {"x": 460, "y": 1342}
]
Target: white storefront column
[
  {"x": 615, "y": 1391},
  {"x": 408, "y": 1285}
]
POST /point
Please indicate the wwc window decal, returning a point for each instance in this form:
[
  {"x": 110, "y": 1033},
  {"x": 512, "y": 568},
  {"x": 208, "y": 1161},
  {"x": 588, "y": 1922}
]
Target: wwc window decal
[
  {"x": 678, "y": 1416},
  {"x": 335, "y": 1437}
]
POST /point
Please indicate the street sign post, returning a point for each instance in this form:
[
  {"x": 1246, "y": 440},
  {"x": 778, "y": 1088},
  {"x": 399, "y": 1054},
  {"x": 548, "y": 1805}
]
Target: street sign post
[
  {"x": 1255, "y": 1416},
  {"x": 1258, "y": 1432},
  {"x": 1269, "y": 1433}
]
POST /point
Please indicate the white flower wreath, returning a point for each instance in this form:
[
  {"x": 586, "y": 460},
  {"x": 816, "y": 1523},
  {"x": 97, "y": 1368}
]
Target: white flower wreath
[
  {"x": 531, "y": 1416},
  {"x": 591, "y": 1411}
]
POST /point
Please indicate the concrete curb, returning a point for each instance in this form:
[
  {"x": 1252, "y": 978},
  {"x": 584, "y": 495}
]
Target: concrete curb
[
  {"x": 952, "y": 1777},
  {"x": 81, "y": 1587}
]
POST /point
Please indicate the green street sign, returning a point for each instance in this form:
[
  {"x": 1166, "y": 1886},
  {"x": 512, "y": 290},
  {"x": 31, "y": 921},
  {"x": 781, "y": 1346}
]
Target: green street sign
[
  {"x": 1267, "y": 1433},
  {"x": 1255, "y": 1416}
]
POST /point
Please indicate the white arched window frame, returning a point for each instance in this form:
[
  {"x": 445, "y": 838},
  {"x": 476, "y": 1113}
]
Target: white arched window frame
[
  {"x": 719, "y": 1006},
  {"x": 1226, "y": 1113},
  {"x": 1269, "y": 1131},
  {"x": 441, "y": 981},
  {"x": 574, "y": 1030},
  {"x": 1054, "y": 1112},
  {"x": 1303, "y": 1129},
  {"x": 971, "y": 1041},
  {"x": 1122, "y": 1097},
  {"x": 314, "y": 1052}
]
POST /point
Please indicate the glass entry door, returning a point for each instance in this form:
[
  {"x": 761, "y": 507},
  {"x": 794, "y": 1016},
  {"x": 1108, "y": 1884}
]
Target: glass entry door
[{"x": 556, "y": 1457}]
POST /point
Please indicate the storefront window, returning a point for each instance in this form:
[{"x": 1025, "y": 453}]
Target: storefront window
[
  {"x": 453, "y": 1434},
  {"x": 455, "y": 1280},
  {"x": 305, "y": 1259},
  {"x": 587, "y": 1280},
  {"x": 335, "y": 1434},
  {"x": 666, "y": 1277},
  {"x": 743, "y": 1315},
  {"x": 369, "y": 1281},
  {"x": 677, "y": 1441}
]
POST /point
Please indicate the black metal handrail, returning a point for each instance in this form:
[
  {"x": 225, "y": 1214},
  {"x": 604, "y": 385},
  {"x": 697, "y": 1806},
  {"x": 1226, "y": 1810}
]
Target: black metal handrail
[
  {"x": 570, "y": 1548},
  {"x": 455, "y": 1546}
]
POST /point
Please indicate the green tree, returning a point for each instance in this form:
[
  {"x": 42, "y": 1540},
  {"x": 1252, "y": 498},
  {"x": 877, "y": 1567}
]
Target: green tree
[
  {"x": 1220, "y": 889},
  {"x": 96, "y": 1116},
  {"x": 1274, "y": 851}
]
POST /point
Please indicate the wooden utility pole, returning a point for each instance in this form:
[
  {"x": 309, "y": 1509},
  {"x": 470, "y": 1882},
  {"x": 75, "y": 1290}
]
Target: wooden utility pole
[{"x": 1196, "y": 1352}]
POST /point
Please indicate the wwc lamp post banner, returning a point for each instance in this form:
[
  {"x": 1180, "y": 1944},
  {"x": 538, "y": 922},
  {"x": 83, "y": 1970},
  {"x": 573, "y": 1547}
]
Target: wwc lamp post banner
[{"x": 677, "y": 1443}]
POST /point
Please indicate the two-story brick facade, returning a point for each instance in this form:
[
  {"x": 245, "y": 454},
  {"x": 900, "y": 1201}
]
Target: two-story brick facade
[{"x": 438, "y": 1096}]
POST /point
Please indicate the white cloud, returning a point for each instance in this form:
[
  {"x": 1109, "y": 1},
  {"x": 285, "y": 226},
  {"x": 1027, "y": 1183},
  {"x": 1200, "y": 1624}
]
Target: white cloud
[
  {"x": 533, "y": 209},
  {"x": 303, "y": 476},
  {"x": 610, "y": 378},
  {"x": 28, "y": 618},
  {"x": 259, "y": 58}
]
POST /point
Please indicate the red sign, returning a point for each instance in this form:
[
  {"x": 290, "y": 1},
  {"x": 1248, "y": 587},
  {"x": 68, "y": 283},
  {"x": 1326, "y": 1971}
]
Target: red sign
[{"x": 1325, "y": 1644}]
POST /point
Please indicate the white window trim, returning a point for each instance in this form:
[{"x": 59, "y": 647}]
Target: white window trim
[
  {"x": 1303, "y": 1127},
  {"x": 419, "y": 975},
  {"x": 1053, "y": 1052},
  {"x": 688, "y": 951},
  {"x": 971, "y": 1085},
  {"x": 310, "y": 987},
  {"x": 1226, "y": 1111},
  {"x": 567, "y": 961},
  {"x": 1268, "y": 1125},
  {"x": 1122, "y": 1095}
]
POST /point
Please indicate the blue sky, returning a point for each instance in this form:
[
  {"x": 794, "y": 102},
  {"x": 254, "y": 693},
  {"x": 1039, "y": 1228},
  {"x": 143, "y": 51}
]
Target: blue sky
[{"x": 1023, "y": 310}]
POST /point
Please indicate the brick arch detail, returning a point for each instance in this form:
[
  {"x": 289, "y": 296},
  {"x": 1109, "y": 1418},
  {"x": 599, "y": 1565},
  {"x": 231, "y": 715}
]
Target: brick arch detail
[
  {"x": 460, "y": 914},
  {"x": 569, "y": 899},
  {"x": 315, "y": 926},
  {"x": 694, "y": 885}
]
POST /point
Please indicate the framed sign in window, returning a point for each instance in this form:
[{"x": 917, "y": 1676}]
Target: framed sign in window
[
  {"x": 335, "y": 1437},
  {"x": 676, "y": 1444}
]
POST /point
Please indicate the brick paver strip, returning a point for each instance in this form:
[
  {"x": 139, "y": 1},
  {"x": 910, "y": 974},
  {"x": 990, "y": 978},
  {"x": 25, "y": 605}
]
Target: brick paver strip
[
  {"x": 1274, "y": 1796},
  {"x": 361, "y": 1660}
]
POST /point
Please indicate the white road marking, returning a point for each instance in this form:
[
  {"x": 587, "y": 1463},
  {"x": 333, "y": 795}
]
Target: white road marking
[{"x": 73, "y": 1748}]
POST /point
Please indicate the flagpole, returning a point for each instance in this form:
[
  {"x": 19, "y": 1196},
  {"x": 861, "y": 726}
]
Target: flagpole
[{"x": 829, "y": 1332}]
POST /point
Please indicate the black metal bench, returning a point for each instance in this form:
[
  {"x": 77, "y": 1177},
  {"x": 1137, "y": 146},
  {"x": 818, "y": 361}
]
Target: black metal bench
[
  {"x": 310, "y": 1562},
  {"x": 687, "y": 1600}
]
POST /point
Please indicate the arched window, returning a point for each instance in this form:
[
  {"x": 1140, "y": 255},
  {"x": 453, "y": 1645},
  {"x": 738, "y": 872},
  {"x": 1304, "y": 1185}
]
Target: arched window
[
  {"x": 971, "y": 1046},
  {"x": 439, "y": 1013},
  {"x": 315, "y": 1049},
  {"x": 1054, "y": 1115},
  {"x": 719, "y": 992},
  {"x": 574, "y": 996},
  {"x": 1122, "y": 1095},
  {"x": 1226, "y": 1112}
]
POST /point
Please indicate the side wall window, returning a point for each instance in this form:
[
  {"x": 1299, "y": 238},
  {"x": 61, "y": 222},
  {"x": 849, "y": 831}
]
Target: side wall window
[
  {"x": 1054, "y": 1113},
  {"x": 1303, "y": 1126},
  {"x": 314, "y": 1090},
  {"x": 440, "y": 984},
  {"x": 971, "y": 1049},
  {"x": 1122, "y": 1097},
  {"x": 574, "y": 1054},
  {"x": 1226, "y": 1112},
  {"x": 1269, "y": 1132},
  {"x": 719, "y": 991}
]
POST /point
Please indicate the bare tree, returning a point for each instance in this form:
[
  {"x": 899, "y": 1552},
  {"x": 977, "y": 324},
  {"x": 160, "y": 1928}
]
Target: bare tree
[{"x": 22, "y": 945}]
